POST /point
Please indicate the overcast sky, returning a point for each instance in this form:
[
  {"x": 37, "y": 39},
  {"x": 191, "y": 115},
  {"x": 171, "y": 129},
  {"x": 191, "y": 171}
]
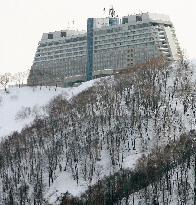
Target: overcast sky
[{"x": 22, "y": 23}]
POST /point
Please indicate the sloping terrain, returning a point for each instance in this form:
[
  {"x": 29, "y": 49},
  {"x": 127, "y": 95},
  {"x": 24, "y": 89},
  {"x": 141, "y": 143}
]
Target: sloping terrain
[
  {"x": 27, "y": 101},
  {"x": 97, "y": 133},
  {"x": 20, "y": 106},
  {"x": 174, "y": 116}
]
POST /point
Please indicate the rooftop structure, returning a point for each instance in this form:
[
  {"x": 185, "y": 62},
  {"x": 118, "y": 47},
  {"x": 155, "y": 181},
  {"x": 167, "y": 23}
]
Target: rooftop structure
[{"x": 109, "y": 45}]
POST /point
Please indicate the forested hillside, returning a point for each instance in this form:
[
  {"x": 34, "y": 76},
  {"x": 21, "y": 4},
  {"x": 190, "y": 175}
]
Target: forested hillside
[{"x": 95, "y": 138}]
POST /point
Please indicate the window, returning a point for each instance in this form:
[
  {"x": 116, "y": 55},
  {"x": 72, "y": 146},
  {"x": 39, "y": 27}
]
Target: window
[
  {"x": 125, "y": 20},
  {"x": 138, "y": 18},
  {"x": 50, "y": 36},
  {"x": 63, "y": 34}
]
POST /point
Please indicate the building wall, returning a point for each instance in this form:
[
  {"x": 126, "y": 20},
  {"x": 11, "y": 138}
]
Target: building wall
[
  {"x": 59, "y": 60},
  {"x": 124, "y": 46},
  {"x": 65, "y": 57}
]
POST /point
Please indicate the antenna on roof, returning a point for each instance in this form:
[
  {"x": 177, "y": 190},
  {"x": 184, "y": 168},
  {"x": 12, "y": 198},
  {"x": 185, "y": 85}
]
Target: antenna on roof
[
  {"x": 68, "y": 25},
  {"x": 104, "y": 12},
  {"x": 73, "y": 24},
  {"x": 112, "y": 12}
]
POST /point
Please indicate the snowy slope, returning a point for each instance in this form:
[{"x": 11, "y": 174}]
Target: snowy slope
[
  {"x": 176, "y": 105},
  {"x": 86, "y": 122},
  {"x": 65, "y": 182},
  {"x": 30, "y": 101},
  {"x": 17, "y": 100},
  {"x": 179, "y": 178},
  {"x": 193, "y": 61}
]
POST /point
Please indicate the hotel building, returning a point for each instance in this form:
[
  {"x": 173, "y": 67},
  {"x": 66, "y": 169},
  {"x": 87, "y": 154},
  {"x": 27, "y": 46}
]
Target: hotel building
[{"x": 109, "y": 45}]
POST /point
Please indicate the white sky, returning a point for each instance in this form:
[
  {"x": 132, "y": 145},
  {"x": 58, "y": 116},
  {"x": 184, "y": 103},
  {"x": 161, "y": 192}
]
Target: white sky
[{"x": 22, "y": 23}]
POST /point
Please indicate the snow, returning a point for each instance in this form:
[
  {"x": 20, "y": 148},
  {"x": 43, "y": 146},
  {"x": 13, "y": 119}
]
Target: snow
[
  {"x": 193, "y": 64},
  {"x": 62, "y": 184},
  {"x": 130, "y": 161},
  {"x": 20, "y": 106},
  {"x": 65, "y": 182},
  {"x": 172, "y": 198},
  {"x": 193, "y": 61},
  {"x": 33, "y": 99},
  {"x": 73, "y": 91},
  {"x": 17, "y": 100}
]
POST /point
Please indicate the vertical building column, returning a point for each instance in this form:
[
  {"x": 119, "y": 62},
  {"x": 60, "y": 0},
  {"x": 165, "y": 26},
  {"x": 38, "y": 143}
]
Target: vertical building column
[{"x": 90, "y": 48}]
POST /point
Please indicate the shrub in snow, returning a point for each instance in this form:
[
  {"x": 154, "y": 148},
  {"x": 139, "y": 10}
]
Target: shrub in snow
[
  {"x": 24, "y": 113},
  {"x": 13, "y": 97}
]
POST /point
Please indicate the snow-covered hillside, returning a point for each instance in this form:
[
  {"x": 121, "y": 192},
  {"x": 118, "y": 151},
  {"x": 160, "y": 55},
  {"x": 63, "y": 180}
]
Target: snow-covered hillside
[
  {"x": 19, "y": 99},
  {"x": 88, "y": 134},
  {"x": 161, "y": 107},
  {"x": 20, "y": 106}
]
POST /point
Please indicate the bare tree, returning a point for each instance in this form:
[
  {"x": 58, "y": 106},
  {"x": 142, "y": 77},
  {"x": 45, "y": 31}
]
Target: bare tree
[
  {"x": 19, "y": 78},
  {"x": 5, "y": 80}
]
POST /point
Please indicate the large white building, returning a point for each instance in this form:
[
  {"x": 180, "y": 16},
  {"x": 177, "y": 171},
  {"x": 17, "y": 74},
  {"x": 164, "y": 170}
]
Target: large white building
[{"x": 110, "y": 44}]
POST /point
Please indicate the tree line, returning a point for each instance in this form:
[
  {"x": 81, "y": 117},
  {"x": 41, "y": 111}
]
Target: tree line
[
  {"x": 120, "y": 114},
  {"x": 18, "y": 78}
]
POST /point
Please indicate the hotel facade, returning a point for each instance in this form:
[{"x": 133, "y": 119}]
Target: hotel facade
[{"x": 110, "y": 44}]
